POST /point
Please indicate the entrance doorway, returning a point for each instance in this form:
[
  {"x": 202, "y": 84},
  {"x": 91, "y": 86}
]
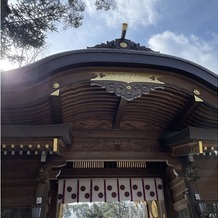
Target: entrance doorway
[{"x": 111, "y": 197}]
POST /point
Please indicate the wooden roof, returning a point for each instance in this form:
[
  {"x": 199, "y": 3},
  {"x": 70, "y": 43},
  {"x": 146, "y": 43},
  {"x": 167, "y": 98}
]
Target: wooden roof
[{"x": 63, "y": 89}]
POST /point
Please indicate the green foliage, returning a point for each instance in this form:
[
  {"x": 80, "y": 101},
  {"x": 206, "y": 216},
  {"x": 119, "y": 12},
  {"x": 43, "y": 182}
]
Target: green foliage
[
  {"x": 24, "y": 24},
  {"x": 80, "y": 210},
  {"x": 106, "y": 210},
  {"x": 101, "y": 210},
  {"x": 105, "y": 4}
]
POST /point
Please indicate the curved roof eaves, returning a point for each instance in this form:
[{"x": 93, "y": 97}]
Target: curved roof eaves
[{"x": 108, "y": 57}]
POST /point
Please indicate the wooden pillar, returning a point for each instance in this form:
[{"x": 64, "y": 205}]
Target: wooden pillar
[
  {"x": 168, "y": 198},
  {"x": 40, "y": 209},
  {"x": 193, "y": 197},
  {"x": 193, "y": 203},
  {"x": 53, "y": 195}
]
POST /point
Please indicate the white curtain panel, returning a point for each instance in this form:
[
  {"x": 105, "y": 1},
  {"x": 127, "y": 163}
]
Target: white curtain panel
[{"x": 110, "y": 189}]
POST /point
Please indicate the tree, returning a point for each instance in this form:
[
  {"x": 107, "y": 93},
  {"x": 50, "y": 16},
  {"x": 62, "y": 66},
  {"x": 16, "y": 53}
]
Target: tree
[
  {"x": 106, "y": 209},
  {"x": 80, "y": 209},
  {"x": 24, "y": 56},
  {"x": 113, "y": 209},
  {"x": 24, "y": 24},
  {"x": 66, "y": 212},
  {"x": 101, "y": 210}
]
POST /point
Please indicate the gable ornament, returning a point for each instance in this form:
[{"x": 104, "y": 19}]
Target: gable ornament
[{"x": 127, "y": 85}]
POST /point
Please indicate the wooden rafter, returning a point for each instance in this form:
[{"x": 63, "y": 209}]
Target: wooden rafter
[
  {"x": 119, "y": 113},
  {"x": 56, "y": 107},
  {"x": 186, "y": 111}
]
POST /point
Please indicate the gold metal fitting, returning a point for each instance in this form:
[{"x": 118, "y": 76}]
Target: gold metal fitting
[
  {"x": 123, "y": 44},
  {"x": 55, "y": 85},
  {"x": 124, "y": 26},
  {"x": 197, "y": 92}
]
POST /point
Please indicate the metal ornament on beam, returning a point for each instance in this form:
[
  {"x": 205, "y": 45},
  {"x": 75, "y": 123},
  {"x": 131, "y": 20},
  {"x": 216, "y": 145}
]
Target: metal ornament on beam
[
  {"x": 127, "y": 85},
  {"x": 195, "y": 148}
]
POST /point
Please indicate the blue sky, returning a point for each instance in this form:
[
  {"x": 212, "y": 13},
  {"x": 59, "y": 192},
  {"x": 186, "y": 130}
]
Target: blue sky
[{"x": 183, "y": 28}]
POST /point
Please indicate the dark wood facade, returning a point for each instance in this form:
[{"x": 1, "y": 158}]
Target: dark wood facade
[{"x": 114, "y": 110}]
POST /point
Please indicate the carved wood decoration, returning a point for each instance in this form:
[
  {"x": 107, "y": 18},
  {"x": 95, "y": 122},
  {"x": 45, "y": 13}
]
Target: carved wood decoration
[
  {"x": 115, "y": 145},
  {"x": 178, "y": 188},
  {"x": 191, "y": 173},
  {"x": 127, "y": 85},
  {"x": 123, "y": 44}
]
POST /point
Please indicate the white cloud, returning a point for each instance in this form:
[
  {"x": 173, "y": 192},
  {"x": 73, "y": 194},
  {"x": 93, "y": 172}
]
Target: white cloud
[
  {"x": 190, "y": 47},
  {"x": 143, "y": 12}
]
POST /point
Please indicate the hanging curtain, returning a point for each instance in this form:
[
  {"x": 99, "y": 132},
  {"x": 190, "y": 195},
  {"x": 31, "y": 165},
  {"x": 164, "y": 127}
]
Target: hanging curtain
[{"x": 110, "y": 189}]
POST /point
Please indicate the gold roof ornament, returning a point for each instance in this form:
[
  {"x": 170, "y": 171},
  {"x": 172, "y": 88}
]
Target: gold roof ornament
[
  {"x": 123, "y": 43},
  {"x": 127, "y": 85}
]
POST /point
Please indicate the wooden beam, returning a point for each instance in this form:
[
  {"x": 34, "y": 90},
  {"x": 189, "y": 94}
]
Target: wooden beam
[
  {"x": 186, "y": 111},
  {"x": 116, "y": 134},
  {"x": 38, "y": 131},
  {"x": 110, "y": 172},
  {"x": 190, "y": 141},
  {"x": 189, "y": 134},
  {"x": 56, "y": 107},
  {"x": 122, "y": 156},
  {"x": 119, "y": 113}
]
